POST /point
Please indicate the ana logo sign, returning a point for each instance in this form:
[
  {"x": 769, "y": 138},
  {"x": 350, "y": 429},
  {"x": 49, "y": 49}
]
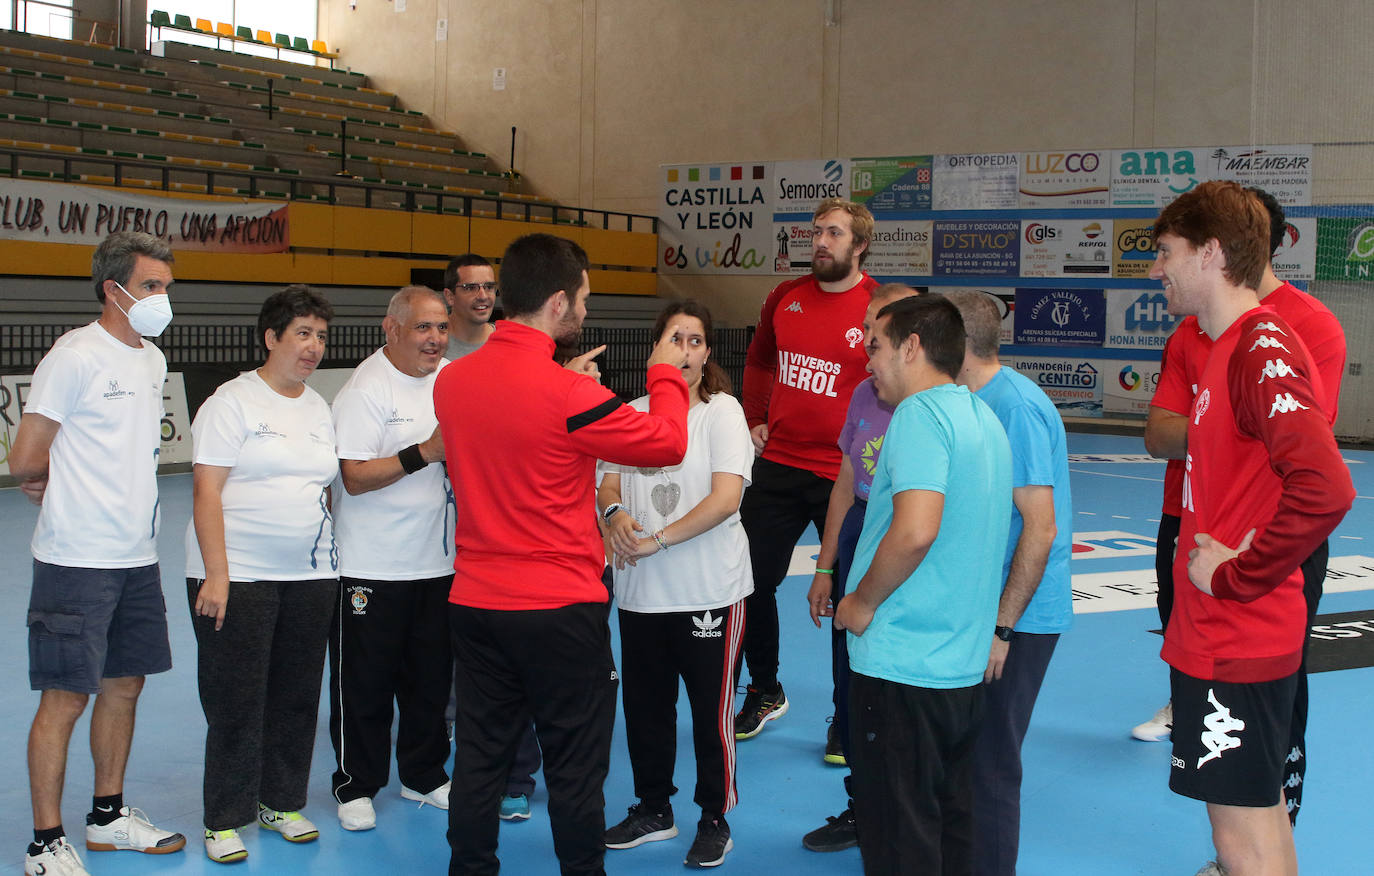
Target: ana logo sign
[{"x": 1157, "y": 163}]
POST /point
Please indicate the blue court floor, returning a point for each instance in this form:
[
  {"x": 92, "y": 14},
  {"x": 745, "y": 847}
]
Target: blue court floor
[{"x": 1094, "y": 800}]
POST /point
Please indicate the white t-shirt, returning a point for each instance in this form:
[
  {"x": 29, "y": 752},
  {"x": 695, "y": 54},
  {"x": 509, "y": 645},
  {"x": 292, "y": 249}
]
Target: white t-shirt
[
  {"x": 404, "y": 531},
  {"x": 280, "y": 452},
  {"x": 711, "y": 570},
  {"x": 100, "y": 508}
]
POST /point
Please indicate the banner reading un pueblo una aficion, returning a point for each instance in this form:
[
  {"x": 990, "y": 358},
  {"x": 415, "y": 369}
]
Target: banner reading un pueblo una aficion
[{"x": 48, "y": 212}]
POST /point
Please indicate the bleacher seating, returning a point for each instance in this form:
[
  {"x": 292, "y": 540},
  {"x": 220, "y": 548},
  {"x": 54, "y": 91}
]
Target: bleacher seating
[{"x": 255, "y": 122}]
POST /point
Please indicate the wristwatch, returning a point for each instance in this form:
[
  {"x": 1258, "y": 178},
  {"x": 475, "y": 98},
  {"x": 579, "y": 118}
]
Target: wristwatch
[
  {"x": 610, "y": 510},
  {"x": 1003, "y": 633}
]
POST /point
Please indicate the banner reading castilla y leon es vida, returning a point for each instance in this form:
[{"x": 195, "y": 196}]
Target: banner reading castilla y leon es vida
[{"x": 46, "y": 212}]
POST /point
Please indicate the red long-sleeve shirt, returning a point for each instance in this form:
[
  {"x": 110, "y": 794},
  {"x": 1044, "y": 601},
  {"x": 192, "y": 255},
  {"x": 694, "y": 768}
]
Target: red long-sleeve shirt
[
  {"x": 1185, "y": 354},
  {"x": 806, "y": 357},
  {"x": 1260, "y": 456},
  {"x": 521, "y": 439}
]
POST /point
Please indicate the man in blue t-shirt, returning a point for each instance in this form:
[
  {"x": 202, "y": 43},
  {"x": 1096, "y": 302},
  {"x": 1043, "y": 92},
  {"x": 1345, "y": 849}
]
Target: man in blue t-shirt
[
  {"x": 921, "y": 598},
  {"x": 1037, "y": 603}
]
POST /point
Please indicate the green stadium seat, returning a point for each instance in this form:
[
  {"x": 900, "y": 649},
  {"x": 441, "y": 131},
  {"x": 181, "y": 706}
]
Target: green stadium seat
[
  {"x": 300, "y": 44},
  {"x": 160, "y": 19},
  {"x": 283, "y": 40},
  {"x": 183, "y": 22},
  {"x": 245, "y": 33}
]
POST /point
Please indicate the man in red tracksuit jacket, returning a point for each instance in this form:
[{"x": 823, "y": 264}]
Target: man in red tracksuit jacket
[
  {"x": 1263, "y": 486},
  {"x": 527, "y": 609}
]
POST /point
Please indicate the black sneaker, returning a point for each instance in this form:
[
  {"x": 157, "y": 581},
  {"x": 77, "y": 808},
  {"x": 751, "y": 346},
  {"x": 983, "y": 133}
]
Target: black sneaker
[
  {"x": 759, "y": 708},
  {"x": 838, "y": 833},
  {"x": 834, "y": 752},
  {"x": 712, "y": 844},
  {"x": 641, "y": 826}
]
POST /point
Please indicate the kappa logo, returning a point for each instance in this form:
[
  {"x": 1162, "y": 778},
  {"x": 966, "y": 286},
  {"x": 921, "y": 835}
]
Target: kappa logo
[
  {"x": 1177, "y": 762},
  {"x": 1293, "y": 781},
  {"x": 1295, "y": 755},
  {"x": 707, "y": 627},
  {"x": 794, "y": 307},
  {"x": 1284, "y": 403},
  {"x": 1218, "y": 724},
  {"x": 854, "y": 336},
  {"x": 1269, "y": 327},
  {"x": 1276, "y": 368},
  {"x": 1268, "y": 343}
]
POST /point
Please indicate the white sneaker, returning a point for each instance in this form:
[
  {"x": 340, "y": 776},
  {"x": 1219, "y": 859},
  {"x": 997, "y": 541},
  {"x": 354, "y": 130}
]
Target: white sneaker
[
  {"x": 1213, "y": 868},
  {"x": 292, "y": 826},
  {"x": 358, "y": 814},
  {"x": 58, "y": 858},
  {"x": 1157, "y": 729},
  {"x": 224, "y": 846},
  {"x": 438, "y": 798},
  {"x": 132, "y": 831}
]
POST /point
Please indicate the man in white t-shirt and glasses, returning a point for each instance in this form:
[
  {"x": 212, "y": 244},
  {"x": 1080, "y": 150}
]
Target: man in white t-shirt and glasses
[
  {"x": 86, "y": 452},
  {"x": 394, "y": 525}
]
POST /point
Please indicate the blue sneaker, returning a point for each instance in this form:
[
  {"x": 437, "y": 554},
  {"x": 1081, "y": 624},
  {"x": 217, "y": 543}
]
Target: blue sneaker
[{"x": 515, "y": 807}]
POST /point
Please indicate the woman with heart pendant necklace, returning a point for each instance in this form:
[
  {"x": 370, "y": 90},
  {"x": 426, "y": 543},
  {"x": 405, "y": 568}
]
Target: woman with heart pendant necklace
[{"x": 681, "y": 575}]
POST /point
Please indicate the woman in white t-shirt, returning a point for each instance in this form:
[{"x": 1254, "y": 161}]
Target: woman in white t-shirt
[
  {"x": 681, "y": 574},
  {"x": 262, "y": 576}
]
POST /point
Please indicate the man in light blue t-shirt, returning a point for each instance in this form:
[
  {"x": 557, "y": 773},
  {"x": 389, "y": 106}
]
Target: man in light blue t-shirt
[
  {"x": 921, "y": 598},
  {"x": 1037, "y": 603}
]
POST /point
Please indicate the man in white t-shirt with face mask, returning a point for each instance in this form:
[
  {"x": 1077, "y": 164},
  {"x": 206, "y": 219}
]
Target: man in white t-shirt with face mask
[
  {"x": 394, "y": 527},
  {"x": 86, "y": 452}
]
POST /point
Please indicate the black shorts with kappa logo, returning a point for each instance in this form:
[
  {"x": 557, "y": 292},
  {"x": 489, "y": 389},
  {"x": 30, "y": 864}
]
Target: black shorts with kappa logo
[{"x": 1230, "y": 739}]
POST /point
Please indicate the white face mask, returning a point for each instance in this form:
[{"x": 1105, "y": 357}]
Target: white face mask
[{"x": 149, "y": 316}]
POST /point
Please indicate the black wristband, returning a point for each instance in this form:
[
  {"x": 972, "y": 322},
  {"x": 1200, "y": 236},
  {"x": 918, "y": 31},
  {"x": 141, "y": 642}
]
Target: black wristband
[{"x": 411, "y": 460}]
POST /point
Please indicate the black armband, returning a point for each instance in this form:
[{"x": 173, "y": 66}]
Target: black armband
[{"x": 411, "y": 460}]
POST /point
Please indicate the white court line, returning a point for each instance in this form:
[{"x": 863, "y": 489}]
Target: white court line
[{"x": 1107, "y": 474}]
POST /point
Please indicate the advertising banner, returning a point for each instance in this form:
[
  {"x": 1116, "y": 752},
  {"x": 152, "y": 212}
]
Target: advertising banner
[
  {"x": 1133, "y": 247},
  {"x": 899, "y": 249},
  {"x": 1006, "y": 305},
  {"x": 1074, "y": 385},
  {"x": 888, "y": 185},
  {"x": 1065, "y": 179},
  {"x": 716, "y": 219},
  {"x": 1066, "y": 248},
  {"x": 1283, "y": 171},
  {"x": 1296, "y": 258},
  {"x": 47, "y": 212},
  {"x": 793, "y": 252},
  {"x": 976, "y": 248},
  {"x": 1060, "y": 317},
  {"x": 1138, "y": 319},
  {"x": 1154, "y": 177},
  {"x": 800, "y": 186},
  {"x": 976, "y": 181},
  {"x": 1127, "y": 387},
  {"x": 1345, "y": 250},
  {"x": 11, "y": 406}
]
